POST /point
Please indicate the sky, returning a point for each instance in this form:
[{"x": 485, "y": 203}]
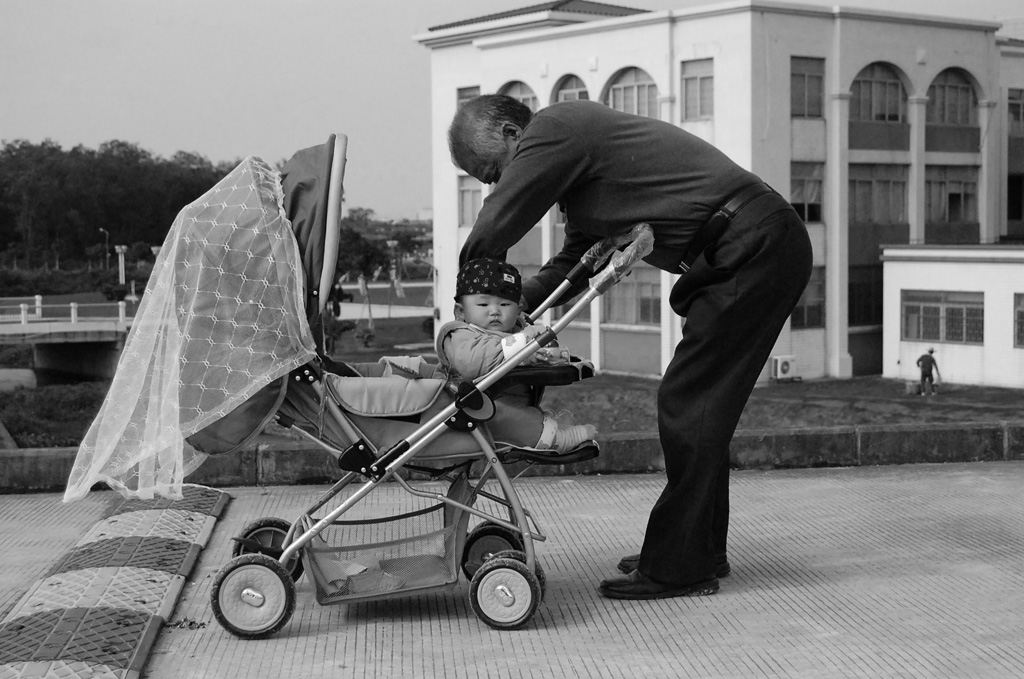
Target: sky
[{"x": 233, "y": 78}]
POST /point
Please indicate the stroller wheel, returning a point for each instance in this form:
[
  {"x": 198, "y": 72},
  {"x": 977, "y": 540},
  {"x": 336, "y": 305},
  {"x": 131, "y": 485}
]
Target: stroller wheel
[
  {"x": 484, "y": 541},
  {"x": 504, "y": 594},
  {"x": 520, "y": 556},
  {"x": 266, "y": 536},
  {"x": 253, "y": 596}
]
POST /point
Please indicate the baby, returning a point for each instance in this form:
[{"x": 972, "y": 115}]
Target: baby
[{"x": 490, "y": 328}]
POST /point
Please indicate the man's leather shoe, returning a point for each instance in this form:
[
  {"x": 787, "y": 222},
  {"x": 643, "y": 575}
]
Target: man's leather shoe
[
  {"x": 639, "y": 586},
  {"x": 630, "y": 563}
]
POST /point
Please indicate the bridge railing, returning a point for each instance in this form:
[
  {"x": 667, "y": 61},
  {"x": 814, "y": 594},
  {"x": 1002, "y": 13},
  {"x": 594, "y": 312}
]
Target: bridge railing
[
  {"x": 18, "y": 308},
  {"x": 25, "y": 313}
]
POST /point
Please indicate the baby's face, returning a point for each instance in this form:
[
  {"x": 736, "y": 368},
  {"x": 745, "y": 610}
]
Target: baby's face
[{"x": 490, "y": 312}]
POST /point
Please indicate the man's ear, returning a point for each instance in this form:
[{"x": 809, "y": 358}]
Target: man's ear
[{"x": 511, "y": 130}]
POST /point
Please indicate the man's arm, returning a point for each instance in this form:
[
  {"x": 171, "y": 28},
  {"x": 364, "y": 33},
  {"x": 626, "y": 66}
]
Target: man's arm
[
  {"x": 549, "y": 160},
  {"x": 551, "y": 275}
]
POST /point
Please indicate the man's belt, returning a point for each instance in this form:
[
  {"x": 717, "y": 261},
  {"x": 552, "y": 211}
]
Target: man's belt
[{"x": 715, "y": 226}]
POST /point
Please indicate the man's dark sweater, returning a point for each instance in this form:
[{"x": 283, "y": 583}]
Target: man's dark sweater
[{"x": 608, "y": 171}]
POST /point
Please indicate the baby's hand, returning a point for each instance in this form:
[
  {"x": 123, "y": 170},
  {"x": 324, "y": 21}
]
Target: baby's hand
[
  {"x": 533, "y": 331},
  {"x": 551, "y": 356}
]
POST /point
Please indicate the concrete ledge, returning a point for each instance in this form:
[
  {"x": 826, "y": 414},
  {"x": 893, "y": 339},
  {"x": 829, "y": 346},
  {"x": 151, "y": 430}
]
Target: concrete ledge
[{"x": 282, "y": 463}]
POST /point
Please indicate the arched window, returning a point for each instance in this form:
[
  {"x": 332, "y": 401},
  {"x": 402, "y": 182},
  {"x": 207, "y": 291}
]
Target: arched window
[
  {"x": 571, "y": 88},
  {"x": 878, "y": 95},
  {"x": 951, "y": 100},
  {"x": 633, "y": 91},
  {"x": 522, "y": 92}
]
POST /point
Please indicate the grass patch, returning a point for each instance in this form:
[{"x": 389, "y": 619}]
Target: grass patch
[
  {"x": 15, "y": 356},
  {"x": 53, "y": 416}
]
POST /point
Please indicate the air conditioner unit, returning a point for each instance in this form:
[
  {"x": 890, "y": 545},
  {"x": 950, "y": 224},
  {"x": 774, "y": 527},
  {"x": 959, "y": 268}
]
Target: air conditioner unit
[{"x": 784, "y": 368}]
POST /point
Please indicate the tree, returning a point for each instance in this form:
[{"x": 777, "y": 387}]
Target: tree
[
  {"x": 53, "y": 203},
  {"x": 359, "y": 218},
  {"x": 29, "y": 182},
  {"x": 359, "y": 255}
]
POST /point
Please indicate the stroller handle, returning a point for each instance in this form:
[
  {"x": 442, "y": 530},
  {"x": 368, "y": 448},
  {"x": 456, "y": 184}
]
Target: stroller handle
[
  {"x": 641, "y": 240},
  {"x": 642, "y": 237}
]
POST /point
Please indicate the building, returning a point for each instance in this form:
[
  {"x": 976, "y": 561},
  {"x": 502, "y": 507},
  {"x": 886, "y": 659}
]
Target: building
[
  {"x": 965, "y": 301},
  {"x": 880, "y": 127}
]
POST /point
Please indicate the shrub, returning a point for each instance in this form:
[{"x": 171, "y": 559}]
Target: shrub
[
  {"x": 51, "y": 416},
  {"x": 16, "y": 356}
]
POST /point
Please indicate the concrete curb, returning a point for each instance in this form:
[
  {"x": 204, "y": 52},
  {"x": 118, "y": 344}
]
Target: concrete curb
[{"x": 285, "y": 463}]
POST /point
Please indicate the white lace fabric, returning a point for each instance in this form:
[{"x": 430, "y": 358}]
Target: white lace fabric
[{"x": 222, "y": 317}]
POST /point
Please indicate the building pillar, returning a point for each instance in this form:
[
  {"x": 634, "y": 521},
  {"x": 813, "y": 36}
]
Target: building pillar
[
  {"x": 671, "y": 326},
  {"x": 839, "y": 363},
  {"x": 670, "y": 323},
  {"x": 595, "y": 333},
  {"x": 916, "y": 207},
  {"x": 990, "y": 176}
]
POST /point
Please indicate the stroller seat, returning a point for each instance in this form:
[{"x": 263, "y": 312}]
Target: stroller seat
[{"x": 384, "y": 408}]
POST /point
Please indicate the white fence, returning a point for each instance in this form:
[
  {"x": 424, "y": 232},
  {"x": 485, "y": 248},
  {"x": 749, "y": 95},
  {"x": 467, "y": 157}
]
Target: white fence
[{"x": 14, "y": 310}]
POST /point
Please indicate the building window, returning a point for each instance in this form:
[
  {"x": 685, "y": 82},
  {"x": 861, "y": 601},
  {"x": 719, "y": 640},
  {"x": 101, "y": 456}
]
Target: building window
[
  {"x": 806, "y": 87},
  {"x": 698, "y": 89},
  {"x": 951, "y": 100},
  {"x": 877, "y": 94},
  {"x": 810, "y": 310},
  {"x": 521, "y": 92},
  {"x": 805, "y": 184},
  {"x": 1015, "y": 112},
  {"x": 464, "y": 94},
  {"x": 470, "y": 197},
  {"x": 951, "y": 194},
  {"x": 636, "y": 299},
  {"x": 864, "y": 288},
  {"x": 1018, "y": 321},
  {"x": 570, "y": 89},
  {"x": 1015, "y": 197},
  {"x": 944, "y": 316},
  {"x": 878, "y": 194},
  {"x": 633, "y": 91}
]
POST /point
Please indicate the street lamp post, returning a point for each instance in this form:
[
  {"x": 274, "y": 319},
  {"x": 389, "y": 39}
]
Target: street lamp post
[{"x": 106, "y": 248}]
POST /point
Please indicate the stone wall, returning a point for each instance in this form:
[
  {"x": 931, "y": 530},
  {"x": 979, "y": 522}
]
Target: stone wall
[{"x": 47, "y": 469}]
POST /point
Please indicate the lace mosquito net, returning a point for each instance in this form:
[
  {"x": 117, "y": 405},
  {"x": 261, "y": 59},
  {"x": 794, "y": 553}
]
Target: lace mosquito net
[{"x": 223, "y": 316}]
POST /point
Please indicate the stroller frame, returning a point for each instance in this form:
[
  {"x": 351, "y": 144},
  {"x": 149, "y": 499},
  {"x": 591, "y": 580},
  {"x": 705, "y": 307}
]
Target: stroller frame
[{"x": 254, "y": 594}]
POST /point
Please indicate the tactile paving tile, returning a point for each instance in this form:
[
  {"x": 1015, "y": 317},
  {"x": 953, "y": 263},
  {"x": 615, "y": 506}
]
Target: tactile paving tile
[
  {"x": 173, "y": 556},
  {"x": 97, "y": 612},
  {"x": 194, "y": 499},
  {"x": 105, "y": 636},
  {"x": 145, "y": 589},
  {"x": 58, "y": 669},
  {"x": 174, "y": 524}
]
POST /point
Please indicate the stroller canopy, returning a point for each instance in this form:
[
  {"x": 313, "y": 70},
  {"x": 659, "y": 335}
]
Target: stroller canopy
[{"x": 223, "y": 317}]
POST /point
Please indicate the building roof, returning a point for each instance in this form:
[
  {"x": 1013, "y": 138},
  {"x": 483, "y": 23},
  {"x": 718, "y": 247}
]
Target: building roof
[{"x": 571, "y": 6}]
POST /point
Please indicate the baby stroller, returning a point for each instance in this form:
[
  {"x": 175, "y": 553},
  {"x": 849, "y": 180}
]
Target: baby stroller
[{"x": 382, "y": 422}]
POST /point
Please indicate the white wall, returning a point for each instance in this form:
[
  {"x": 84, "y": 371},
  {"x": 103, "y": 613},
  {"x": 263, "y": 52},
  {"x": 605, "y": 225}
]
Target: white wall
[{"x": 996, "y": 271}]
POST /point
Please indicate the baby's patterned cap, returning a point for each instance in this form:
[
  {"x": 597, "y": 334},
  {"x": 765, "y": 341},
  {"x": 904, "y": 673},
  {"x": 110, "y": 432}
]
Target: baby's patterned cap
[{"x": 489, "y": 277}]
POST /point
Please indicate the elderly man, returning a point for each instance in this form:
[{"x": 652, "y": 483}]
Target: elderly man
[{"x": 744, "y": 256}]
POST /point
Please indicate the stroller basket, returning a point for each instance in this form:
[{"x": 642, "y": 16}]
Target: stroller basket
[{"x": 367, "y": 559}]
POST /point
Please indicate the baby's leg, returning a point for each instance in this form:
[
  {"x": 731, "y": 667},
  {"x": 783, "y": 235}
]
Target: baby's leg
[{"x": 517, "y": 425}]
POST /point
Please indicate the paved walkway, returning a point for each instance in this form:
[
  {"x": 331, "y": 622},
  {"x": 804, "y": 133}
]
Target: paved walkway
[{"x": 895, "y": 571}]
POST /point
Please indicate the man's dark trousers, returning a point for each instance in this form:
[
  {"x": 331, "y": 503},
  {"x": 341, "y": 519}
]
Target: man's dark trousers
[{"x": 735, "y": 298}]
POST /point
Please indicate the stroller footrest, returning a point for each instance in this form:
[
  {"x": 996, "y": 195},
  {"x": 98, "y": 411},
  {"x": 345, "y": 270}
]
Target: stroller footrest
[{"x": 586, "y": 451}]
